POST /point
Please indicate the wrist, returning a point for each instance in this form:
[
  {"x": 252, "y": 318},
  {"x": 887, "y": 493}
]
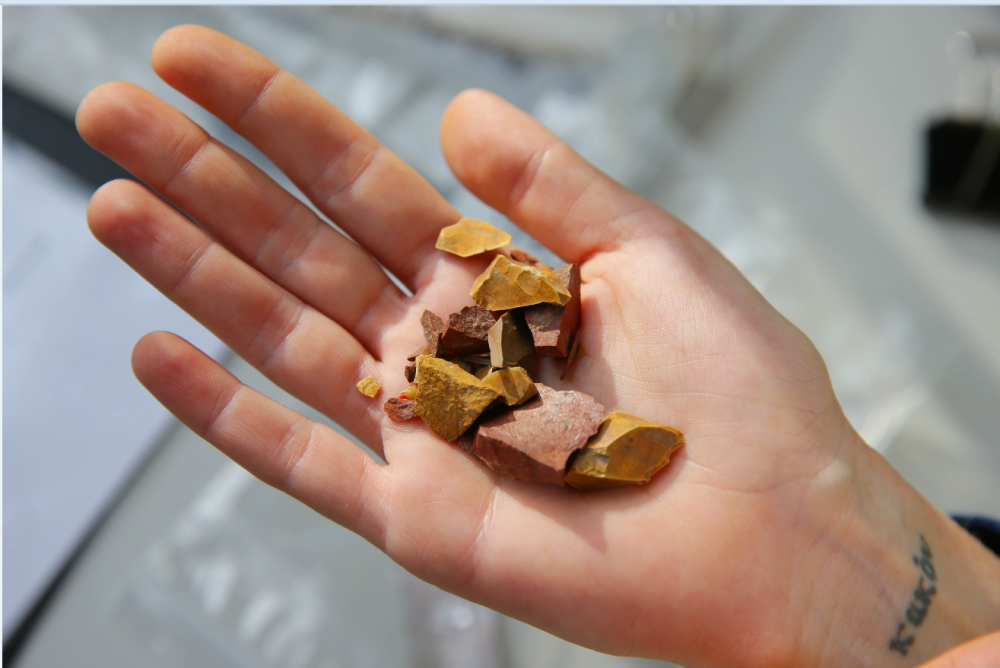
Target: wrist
[{"x": 896, "y": 582}]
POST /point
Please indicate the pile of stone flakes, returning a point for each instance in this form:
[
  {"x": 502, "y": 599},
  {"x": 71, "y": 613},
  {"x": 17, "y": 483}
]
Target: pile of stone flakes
[{"x": 468, "y": 385}]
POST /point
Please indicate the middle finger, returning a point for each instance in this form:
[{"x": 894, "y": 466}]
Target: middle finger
[
  {"x": 240, "y": 205},
  {"x": 364, "y": 188}
]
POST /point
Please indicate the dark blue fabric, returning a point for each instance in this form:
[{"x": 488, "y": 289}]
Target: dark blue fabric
[{"x": 983, "y": 528}]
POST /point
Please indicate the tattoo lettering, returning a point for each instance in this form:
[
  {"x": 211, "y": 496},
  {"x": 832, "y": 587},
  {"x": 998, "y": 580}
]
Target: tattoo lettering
[
  {"x": 916, "y": 612},
  {"x": 899, "y": 643},
  {"x": 921, "y": 601}
]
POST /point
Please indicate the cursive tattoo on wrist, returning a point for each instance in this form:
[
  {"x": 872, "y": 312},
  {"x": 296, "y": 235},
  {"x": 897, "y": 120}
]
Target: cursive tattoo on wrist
[{"x": 916, "y": 611}]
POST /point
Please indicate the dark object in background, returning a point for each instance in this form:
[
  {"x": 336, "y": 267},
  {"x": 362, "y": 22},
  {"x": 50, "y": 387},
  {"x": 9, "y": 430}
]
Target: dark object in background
[
  {"x": 963, "y": 168},
  {"x": 986, "y": 530},
  {"x": 55, "y": 136}
]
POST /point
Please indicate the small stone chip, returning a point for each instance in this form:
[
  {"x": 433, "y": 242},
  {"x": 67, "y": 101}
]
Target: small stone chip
[
  {"x": 448, "y": 399},
  {"x": 470, "y": 237},
  {"x": 506, "y": 285},
  {"x": 552, "y": 326},
  {"x": 410, "y": 371},
  {"x": 399, "y": 409},
  {"x": 626, "y": 450},
  {"x": 433, "y": 329},
  {"x": 533, "y": 441},
  {"x": 467, "y": 331},
  {"x": 510, "y": 340},
  {"x": 514, "y": 253},
  {"x": 409, "y": 393},
  {"x": 369, "y": 387},
  {"x": 513, "y": 384}
]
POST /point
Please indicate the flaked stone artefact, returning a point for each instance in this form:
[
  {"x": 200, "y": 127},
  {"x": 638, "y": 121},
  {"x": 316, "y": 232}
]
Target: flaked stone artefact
[
  {"x": 533, "y": 441},
  {"x": 433, "y": 330},
  {"x": 509, "y": 340},
  {"x": 506, "y": 285},
  {"x": 626, "y": 450},
  {"x": 400, "y": 409},
  {"x": 553, "y": 326},
  {"x": 467, "y": 331},
  {"x": 449, "y": 399},
  {"x": 470, "y": 237},
  {"x": 369, "y": 387}
]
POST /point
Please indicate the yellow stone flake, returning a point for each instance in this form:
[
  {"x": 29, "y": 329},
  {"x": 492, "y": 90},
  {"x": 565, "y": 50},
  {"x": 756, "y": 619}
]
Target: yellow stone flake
[
  {"x": 449, "y": 399},
  {"x": 470, "y": 237},
  {"x": 506, "y": 285},
  {"x": 626, "y": 450},
  {"x": 513, "y": 384},
  {"x": 410, "y": 393},
  {"x": 369, "y": 387}
]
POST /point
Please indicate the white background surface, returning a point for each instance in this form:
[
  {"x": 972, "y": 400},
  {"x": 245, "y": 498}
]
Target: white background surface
[{"x": 76, "y": 422}]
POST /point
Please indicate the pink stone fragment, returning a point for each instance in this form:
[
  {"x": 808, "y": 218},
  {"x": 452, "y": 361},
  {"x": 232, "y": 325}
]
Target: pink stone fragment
[{"x": 533, "y": 442}]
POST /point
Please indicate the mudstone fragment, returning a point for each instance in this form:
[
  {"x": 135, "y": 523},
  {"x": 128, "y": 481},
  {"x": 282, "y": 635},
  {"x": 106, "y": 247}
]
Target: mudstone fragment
[
  {"x": 369, "y": 387},
  {"x": 533, "y": 442},
  {"x": 470, "y": 237},
  {"x": 448, "y": 398},
  {"x": 506, "y": 285},
  {"x": 399, "y": 409},
  {"x": 553, "y": 326},
  {"x": 467, "y": 331},
  {"x": 626, "y": 450}
]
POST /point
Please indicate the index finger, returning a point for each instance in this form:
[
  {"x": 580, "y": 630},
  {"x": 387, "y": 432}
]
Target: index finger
[{"x": 368, "y": 191}]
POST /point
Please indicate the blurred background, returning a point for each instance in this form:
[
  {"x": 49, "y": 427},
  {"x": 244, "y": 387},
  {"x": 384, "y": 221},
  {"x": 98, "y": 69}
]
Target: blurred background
[{"x": 843, "y": 158}]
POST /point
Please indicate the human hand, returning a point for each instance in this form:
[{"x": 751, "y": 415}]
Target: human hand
[
  {"x": 774, "y": 537},
  {"x": 983, "y": 652}
]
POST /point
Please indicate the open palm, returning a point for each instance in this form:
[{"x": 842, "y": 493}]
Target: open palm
[{"x": 714, "y": 562}]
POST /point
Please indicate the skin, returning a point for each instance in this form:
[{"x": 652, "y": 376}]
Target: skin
[
  {"x": 775, "y": 537},
  {"x": 983, "y": 652}
]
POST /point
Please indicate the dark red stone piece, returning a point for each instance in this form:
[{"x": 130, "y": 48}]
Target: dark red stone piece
[
  {"x": 433, "y": 329},
  {"x": 400, "y": 409},
  {"x": 467, "y": 331},
  {"x": 553, "y": 327},
  {"x": 534, "y": 441},
  {"x": 410, "y": 371}
]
